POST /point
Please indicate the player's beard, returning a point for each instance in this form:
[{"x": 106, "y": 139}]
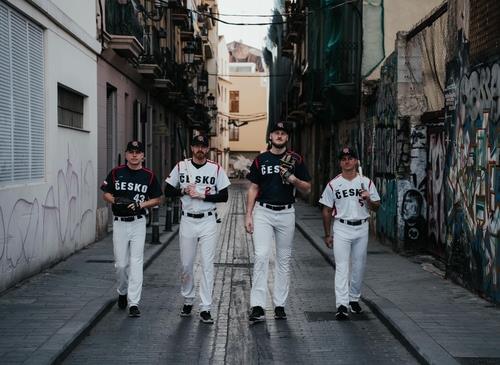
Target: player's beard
[
  {"x": 200, "y": 155},
  {"x": 278, "y": 145}
]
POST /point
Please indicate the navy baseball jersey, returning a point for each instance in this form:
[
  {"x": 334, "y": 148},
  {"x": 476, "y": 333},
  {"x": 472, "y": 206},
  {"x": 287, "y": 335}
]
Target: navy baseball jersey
[
  {"x": 138, "y": 185},
  {"x": 265, "y": 172}
]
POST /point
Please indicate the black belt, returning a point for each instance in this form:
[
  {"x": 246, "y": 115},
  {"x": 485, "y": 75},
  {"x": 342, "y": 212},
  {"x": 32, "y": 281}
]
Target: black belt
[
  {"x": 276, "y": 207},
  {"x": 128, "y": 219},
  {"x": 353, "y": 223},
  {"x": 198, "y": 215}
]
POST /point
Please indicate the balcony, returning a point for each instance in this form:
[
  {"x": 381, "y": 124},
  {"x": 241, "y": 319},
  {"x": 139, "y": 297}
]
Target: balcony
[
  {"x": 124, "y": 29},
  {"x": 209, "y": 52},
  {"x": 180, "y": 15},
  {"x": 287, "y": 49},
  {"x": 152, "y": 60}
]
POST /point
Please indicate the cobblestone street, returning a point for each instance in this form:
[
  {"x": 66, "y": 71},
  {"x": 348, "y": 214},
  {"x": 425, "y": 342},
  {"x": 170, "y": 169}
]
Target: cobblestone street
[{"x": 310, "y": 335}]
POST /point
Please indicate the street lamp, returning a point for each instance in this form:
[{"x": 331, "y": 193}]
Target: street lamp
[
  {"x": 202, "y": 86},
  {"x": 188, "y": 54},
  {"x": 211, "y": 101}
]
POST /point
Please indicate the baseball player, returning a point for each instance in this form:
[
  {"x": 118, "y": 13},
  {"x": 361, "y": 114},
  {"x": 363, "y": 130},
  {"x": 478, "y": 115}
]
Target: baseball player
[
  {"x": 201, "y": 183},
  {"x": 130, "y": 188},
  {"x": 347, "y": 198},
  {"x": 274, "y": 176}
]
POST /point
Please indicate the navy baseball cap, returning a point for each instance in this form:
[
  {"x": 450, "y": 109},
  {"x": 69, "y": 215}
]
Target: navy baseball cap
[
  {"x": 281, "y": 126},
  {"x": 135, "y": 146},
  {"x": 200, "y": 140},
  {"x": 347, "y": 151}
]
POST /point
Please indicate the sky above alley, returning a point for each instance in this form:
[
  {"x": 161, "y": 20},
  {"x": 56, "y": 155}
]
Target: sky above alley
[{"x": 253, "y": 35}]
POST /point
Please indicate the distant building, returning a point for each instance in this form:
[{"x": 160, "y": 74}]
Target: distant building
[{"x": 247, "y": 106}]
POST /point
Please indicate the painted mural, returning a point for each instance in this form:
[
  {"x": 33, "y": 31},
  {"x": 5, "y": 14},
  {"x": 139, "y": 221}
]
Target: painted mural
[
  {"x": 36, "y": 231},
  {"x": 473, "y": 180}
]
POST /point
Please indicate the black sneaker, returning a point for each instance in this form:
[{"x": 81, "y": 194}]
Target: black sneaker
[
  {"x": 186, "y": 310},
  {"x": 257, "y": 315},
  {"x": 122, "y": 301},
  {"x": 205, "y": 317},
  {"x": 134, "y": 311},
  {"x": 355, "y": 307},
  {"x": 279, "y": 313},
  {"x": 342, "y": 313}
]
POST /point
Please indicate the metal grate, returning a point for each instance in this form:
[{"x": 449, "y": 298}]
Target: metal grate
[
  {"x": 478, "y": 360},
  {"x": 103, "y": 261},
  {"x": 232, "y": 264},
  {"x": 330, "y": 316},
  {"x": 319, "y": 316},
  {"x": 377, "y": 253}
]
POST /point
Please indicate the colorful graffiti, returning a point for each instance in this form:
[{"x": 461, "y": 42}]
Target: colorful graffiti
[
  {"x": 473, "y": 180},
  {"x": 34, "y": 234},
  {"x": 436, "y": 224}
]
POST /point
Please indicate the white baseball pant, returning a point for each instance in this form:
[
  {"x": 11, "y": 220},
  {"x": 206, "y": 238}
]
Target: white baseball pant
[
  {"x": 279, "y": 226},
  {"x": 128, "y": 247},
  {"x": 349, "y": 247},
  {"x": 191, "y": 232}
]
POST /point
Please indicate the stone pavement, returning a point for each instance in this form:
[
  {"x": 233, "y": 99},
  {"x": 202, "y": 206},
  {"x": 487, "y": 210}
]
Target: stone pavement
[
  {"x": 309, "y": 336},
  {"x": 440, "y": 322},
  {"x": 43, "y": 317}
]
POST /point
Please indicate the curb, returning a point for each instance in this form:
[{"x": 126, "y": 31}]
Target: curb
[
  {"x": 60, "y": 345},
  {"x": 406, "y": 331}
]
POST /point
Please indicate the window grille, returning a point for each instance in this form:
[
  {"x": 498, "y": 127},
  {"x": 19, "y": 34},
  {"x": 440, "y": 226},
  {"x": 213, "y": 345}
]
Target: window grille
[{"x": 69, "y": 107}]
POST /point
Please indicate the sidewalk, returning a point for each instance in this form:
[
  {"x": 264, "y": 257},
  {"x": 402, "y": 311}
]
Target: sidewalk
[
  {"x": 440, "y": 322},
  {"x": 44, "y": 316}
]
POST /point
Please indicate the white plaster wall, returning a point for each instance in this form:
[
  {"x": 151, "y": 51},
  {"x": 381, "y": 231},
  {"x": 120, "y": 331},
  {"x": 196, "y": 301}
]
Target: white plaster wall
[
  {"x": 44, "y": 221},
  {"x": 82, "y": 12}
]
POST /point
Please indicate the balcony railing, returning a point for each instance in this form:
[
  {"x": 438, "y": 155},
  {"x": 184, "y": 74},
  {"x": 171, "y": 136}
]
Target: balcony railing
[
  {"x": 121, "y": 19},
  {"x": 125, "y": 29}
]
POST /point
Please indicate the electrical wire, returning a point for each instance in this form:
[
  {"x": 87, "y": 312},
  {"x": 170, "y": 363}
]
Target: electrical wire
[
  {"x": 303, "y": 15},
  {"x": 267, "y": 76}
]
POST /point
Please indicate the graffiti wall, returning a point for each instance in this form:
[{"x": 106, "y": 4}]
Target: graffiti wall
[
  {"x": 473, "y": 178},
  {"x": 385, "y": 158},
  {"x": 412, "y": 220},
  {"x": 436, "y": 222},
  {"x": 48, "y": 223}
]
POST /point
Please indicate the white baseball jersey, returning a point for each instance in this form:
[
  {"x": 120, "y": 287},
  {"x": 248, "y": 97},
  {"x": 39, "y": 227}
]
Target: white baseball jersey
[
  {"x": 344, "y": 196},
  {"x": 208, "y": 179}
]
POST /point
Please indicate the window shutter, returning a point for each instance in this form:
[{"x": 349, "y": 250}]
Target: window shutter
[
  {"x": 36, "y": 72},
  {"x": 22, "y": 122},
  {"x": 20, "y": 97},
  {"x": 5, "y": 98}
]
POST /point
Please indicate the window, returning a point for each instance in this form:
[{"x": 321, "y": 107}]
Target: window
[
  {"x": 69, "y": 107},
  {"x": 484, "y": 36},
  {"x": 234, "y": 101},
  {"x": 22, "y": 124},
  {"x": 234, "y": 133}
]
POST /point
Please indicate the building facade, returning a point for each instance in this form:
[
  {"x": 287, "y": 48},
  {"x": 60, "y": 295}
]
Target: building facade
[
  {"x": 48, "y": 163},
  {"x": 247, "y": 99}
]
